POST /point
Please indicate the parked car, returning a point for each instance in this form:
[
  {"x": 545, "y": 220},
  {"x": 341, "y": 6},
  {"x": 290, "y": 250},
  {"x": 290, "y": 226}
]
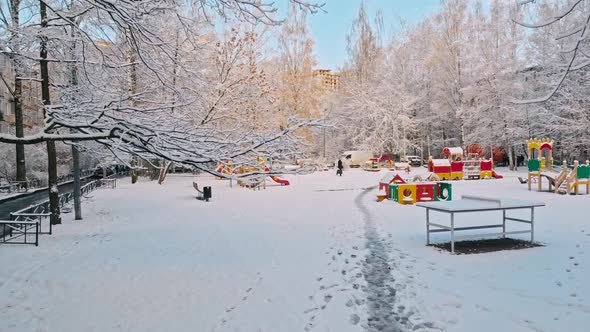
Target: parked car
[{"x": 414, "y": 160}]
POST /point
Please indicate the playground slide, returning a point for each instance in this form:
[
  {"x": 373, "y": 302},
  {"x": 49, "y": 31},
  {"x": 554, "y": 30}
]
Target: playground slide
[
  {"x": 496, "y": 175},
  {"x": 549, "y": 178},
  {"x": 279, "y": 180}
]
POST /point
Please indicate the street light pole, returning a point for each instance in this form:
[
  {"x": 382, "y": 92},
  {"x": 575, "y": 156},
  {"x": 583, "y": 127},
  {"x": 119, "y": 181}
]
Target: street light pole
[{"x": 324, "y": 130}]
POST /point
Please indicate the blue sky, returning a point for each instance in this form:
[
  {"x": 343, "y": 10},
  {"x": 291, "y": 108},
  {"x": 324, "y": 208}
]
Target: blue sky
[{"x": 330, "y": 29}]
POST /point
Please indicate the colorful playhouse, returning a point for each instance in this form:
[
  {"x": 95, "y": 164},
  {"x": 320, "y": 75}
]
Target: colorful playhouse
[
  {"x": 372, "y": 165},
  {"x": 452, "y": 166},
  {"x": 404, "y": 192},
  {"x": 540, "y": 165}
]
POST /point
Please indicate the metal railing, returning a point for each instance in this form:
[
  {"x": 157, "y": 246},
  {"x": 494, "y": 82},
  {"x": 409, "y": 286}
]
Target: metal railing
[
  {"x": 108, "y": 183},
  {"x": 14, "y": 187},
  {"x": 15, "y": 232},
  {"x": 42, "y": 218},
  {"x": 66, "y": 198},
  {"x": 24, "y": 186},
  {"x": 35, "y": 216}
]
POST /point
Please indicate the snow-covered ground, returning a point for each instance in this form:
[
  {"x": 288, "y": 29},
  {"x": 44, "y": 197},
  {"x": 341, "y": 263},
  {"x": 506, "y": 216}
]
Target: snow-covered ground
[{"x": 319, "y": 255}]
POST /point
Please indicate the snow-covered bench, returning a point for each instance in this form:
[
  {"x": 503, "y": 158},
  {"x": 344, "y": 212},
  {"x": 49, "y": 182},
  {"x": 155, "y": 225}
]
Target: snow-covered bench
[{"x": 203, "y": 195}]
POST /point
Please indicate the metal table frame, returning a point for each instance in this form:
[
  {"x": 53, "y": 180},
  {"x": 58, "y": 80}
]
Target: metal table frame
[{"x": 443, "y": 228}]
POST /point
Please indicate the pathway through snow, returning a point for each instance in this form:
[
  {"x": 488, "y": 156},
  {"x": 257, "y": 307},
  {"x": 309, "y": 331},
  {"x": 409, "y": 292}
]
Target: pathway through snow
[{"x": 385, "y": 310}]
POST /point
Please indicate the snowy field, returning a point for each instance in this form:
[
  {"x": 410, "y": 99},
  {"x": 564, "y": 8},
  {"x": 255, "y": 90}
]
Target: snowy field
[{"x": 319, "y": 255}]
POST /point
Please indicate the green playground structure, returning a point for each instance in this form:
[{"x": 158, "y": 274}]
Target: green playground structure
[
  {"x": 411, "y": 193},
  {"x": 564, "y": 182}
]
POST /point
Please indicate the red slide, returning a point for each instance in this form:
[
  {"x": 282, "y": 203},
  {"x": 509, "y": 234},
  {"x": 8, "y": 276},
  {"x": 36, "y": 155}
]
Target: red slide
[
  {"x": 279, "y": 180},
  {"x": 496, "y": 175}
]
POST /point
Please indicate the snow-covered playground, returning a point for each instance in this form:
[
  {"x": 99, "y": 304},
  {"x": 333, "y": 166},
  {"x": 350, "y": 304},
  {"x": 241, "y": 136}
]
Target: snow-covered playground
[{"x": 319, "y": 255}]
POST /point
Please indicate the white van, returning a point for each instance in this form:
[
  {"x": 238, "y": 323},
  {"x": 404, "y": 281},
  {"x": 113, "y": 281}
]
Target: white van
[
  {"x": 414, "y": 160},
  {"x": 355, "y": 158}
]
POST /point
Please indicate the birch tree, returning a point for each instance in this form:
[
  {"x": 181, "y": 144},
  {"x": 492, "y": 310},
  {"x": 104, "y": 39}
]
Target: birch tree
[{"x": 298, "y": 92}]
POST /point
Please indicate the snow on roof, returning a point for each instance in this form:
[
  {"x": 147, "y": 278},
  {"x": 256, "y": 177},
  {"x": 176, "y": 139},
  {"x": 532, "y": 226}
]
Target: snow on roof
[
  {"x": 454, "y": 150},
  {"x": 441, "y": 162},
  {"x": 388, "y": 177}
]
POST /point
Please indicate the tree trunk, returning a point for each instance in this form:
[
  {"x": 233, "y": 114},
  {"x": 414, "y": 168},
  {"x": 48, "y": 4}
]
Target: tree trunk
[
  {"x": 75, "y": 151},
  {"x": 164, "y": 171},
  {"x": 134, "y": 171},
  {"x": 174, "y": 70},
  {"x": 77, "y": 186},
  {"x": 54, "y": 210},
  {"x": 154, "y": 169},
  {"x": 510, "y": 157},
  {"x": 132, "y": 82},
  {"x": 428, "y": 144},
  {"x": 21, "y": 171}
]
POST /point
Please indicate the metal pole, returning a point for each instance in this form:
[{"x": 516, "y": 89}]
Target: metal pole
[
  {"x": 325, "y": 111},
  {"x": 77, "y": 185},
  {"x": 504, "y": 223},
  {"x": 427, "y": 227},
  {"x": 421, "y": 152},
  {"x": 428, "y": 145},
  {"x": 452, "y": 233},
  {"x": 532, "y": 224}
]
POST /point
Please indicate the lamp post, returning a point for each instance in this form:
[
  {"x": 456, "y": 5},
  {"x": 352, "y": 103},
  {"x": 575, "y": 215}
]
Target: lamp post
[{"x": 324, "y": 131}]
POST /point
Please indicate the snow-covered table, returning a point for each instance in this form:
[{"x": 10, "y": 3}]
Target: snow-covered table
[{"x": 478, "y": 204}]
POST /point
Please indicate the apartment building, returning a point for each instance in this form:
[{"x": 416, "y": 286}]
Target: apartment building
[
  {"x": 31, "y": 92},
  {"x": 328, "y": 79}
]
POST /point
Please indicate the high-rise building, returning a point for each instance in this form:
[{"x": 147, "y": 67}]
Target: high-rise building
[{"x": 328, "y": 78}]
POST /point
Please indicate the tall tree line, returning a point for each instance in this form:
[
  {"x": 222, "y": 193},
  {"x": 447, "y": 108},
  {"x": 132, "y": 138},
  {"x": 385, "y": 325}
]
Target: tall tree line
[{"x": 471, "y": 73}]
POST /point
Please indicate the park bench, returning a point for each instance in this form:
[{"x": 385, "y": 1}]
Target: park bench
[{"x": 203, "y": 195}]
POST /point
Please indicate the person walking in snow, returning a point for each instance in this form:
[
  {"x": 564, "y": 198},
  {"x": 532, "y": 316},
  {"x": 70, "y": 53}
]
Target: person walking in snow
[{"x": 340, "y": 167}]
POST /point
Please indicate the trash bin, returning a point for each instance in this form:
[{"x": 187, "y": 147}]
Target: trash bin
[{"x": 206, "y": 193}]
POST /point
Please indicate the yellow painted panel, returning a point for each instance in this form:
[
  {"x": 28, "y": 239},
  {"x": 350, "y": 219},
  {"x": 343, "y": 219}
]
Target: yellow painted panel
[{"x": 407, "y": 194}]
